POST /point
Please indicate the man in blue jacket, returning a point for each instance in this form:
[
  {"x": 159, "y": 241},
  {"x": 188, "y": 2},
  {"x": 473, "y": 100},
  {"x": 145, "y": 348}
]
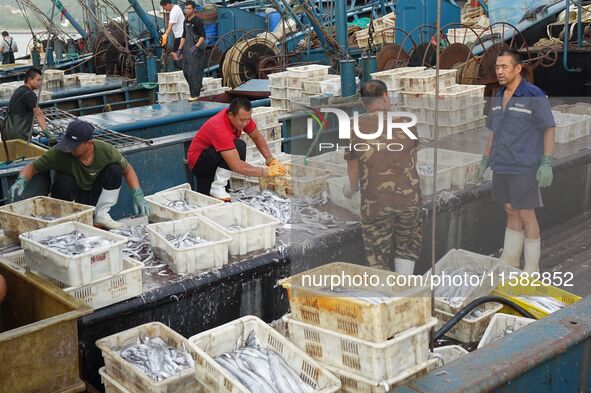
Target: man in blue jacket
[{"x": 519, "y": 150}]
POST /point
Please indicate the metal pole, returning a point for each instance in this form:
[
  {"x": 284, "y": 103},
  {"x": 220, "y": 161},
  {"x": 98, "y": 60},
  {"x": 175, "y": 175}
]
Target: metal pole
[
  {"x": 565, "y": 40},
  {"x": 70, "y": 18},
  {"x": 348, "y": 86},
  {"x": 91, "y": 5}
]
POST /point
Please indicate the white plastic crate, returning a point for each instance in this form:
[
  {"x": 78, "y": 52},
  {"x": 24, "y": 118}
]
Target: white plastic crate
[
  {"x": 241, "y": 182},
  {"x": 331, "y": 86},
  {"x": 395, "y": 96},
  {"x": 444, "y": 177},
  {"x": 308, "y": 71},
  {"x": 111, "y": 385},
  {"x": 24, "y": 216},
  {"x": 279, "y": 92},
  {"x": 270, "y": 133},
  {"x": 169, "y": 77},
  {"x": 282, "y": 103},
  {"x": 465, "y": 164},
  {"x": 265, "y": 116},
  {"x": 253, "y": 153},
  {"x": 53, "y": 75},
  {"x": 449, "y": 99},
  {"x": 258, "y": 231},
  {"x": 73, "y": 270},
  {"x": 277, "y": 79},
  {"x": 449, "y": 353},
  {"x": 335, "y": 188},
  {"x": 131, "y": 378},
  {"x": 296, "y": 80},
  {"x": 332, "y": 161},
  {"x": 172, "y": 97},
  {"x": 376, "y": 361},
  {"x": 450, "y": 117},
  {"x": 161, "y": 212},
  {"x": 213, "y": 92},
  {"x": 499, "y": 323},
  {"x": 207, "y": 256},
  {"x": 408, "y": 307},
  {"x": 570, "y": 126},
  {"x": 299, "y": 181},
  {"x": 211, "y": 83},
  {"x": 100, "y": 79},
  {"x": 352, "y": 383},
  {"x": 171, "y": 88},
  {"x": 457, "y": 259},
  {"x": 392, "y": 77},
  {"x": 427, "y": 131},
  {"x": 468, "y": 329},
  {"x": 293, "y": 93},
  {"x": 311, "y": 86},
  {"x": 425, "y": 81},
  {"x": 222, "y": 339}
]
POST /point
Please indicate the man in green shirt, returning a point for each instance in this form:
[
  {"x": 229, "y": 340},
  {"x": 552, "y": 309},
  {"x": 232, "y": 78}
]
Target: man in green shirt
[{"x": 87, "y": 171}]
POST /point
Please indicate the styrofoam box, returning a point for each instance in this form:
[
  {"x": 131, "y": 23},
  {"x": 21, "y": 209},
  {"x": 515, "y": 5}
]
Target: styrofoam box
[
  {"x": 161, "y": 212},
  {"x": 282, "y": 103},
  {"x": 222, "y": 339},
  {"x": 449, "y": 353},
  {"x": 465, "y": 164},
  {"x": 299, "y": 180},
  {"x": 376, "y": 361},
  {"x": 427, "y": 131},
  {"x": 444, "y": 176},
  {"x": 352, "y": 383},
  {"x": 265, "y": 116},
  {"x": 408, "y": 307},
  {"x": 258, "y": 231},
  {"x": 392, "y": 77},
  {"x": 468, "y": 329},
  {"x": 168, "y": 77},
  {"x": 452, "y": 117},
  {"x": 450, "y": 98},
  {"x": 335, "y": 189},
  {"x": 253, "y": 153},
  {"x": 332, "y": 161},
  {"x": 425, "y": 80},
  {"x": 499, "y": 323},
  {"x": 202, "y": 257},
  {"x": 277, "y": 79},
  {"x": 130, "y": 377},
  {"x": 22, "y": 216},
  {"x": 456, "y": 259},
  {"x": 73, "y": 270}
]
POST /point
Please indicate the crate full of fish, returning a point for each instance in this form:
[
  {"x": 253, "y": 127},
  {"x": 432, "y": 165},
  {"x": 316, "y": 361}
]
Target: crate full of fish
[
  {"x": 250, "y": 229},
  {"x": 150, "y": 358},
  {"x": 41, "y": 212},
  {"x": 336, "y": 187},
  {"x": 465, "y": 165},
  {"x": 299, "y": 180},
  {"x": 538, "y": 299},
  {"x": 470, "y": 328},
  {"x": 377, "y": 361},
  {"x": 366, "y": 313},
  {"x": 178, "y": 203},
  {"x": 332, "y": 161},
  {"x": 503, "y": 325},
  {"x": 226, "y": 354},
  {"x": 353, "y": 383},
  {"x": 74, "y": 253},
  {"x": 462, "y": 276},
  {"x": 190, "y": 244},
  {"x": 426, "y": 81},
  {"x": 426, "y": 176}
]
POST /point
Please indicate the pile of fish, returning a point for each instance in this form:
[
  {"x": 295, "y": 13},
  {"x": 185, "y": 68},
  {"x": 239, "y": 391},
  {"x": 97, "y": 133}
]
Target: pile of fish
[
  {"x": 456, "y": 294},
  {"x": 138, "y": 244},
  {"x": 185, "y": 240},
  {"x": 181, "y": 205},
  {"x": 373, "y": 297},
  {"x": 155, "y": 358},
  {"x": 75, "y": 243},
  {"x": 424, "y": 170},
  {"x": 261, "y": 370},
  {"x": 294, "y": 213},
  {"x": 45, "y": 217},
  {"x": 546, "y": 303}
]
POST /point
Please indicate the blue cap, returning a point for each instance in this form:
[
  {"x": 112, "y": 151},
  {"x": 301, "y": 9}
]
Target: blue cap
[{"x": 77, "y": 133}]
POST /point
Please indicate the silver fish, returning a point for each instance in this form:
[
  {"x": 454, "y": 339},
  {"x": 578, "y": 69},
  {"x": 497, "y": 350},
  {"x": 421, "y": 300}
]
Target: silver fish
[
  {"x": 155, "y": 358},
  {"x": 546, "y": 303},
  {"x": 75, "y": 243},
  {"x": 45, "y": 217},
  {"x": 456, "y": 294},
  {"x": 138, "y": 244},
  {"x": 185, "y": 240},
  {"x": 373, "y": 297},
  {"x": 181, "y": 205}
]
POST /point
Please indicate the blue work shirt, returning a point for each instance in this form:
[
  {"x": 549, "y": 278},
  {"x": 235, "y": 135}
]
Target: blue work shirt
[{"x": 518, "y": 130}]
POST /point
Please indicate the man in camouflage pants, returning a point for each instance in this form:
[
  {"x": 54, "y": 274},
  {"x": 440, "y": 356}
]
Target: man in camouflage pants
[{"x": 391, "y": 219}]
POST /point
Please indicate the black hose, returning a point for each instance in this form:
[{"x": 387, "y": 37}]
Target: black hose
[{"x": 466, "y": 310}]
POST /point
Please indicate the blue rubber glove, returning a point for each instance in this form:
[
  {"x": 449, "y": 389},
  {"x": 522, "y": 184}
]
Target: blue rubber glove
[
  {"x": 545, "y": 175},
  {"x": 18, "y": 188},
  {"x": 140, "y": 205},
  {"x": 193, "y": 50},
  {"x": 482, "y": 168},
  {"x": 46, "y": 133}
]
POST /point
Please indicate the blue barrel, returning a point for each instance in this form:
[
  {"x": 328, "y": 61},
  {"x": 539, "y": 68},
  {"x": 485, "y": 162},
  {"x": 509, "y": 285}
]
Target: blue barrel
[
  {"x": 211, "y": 33},
  {"x": 274, "y": 20}
]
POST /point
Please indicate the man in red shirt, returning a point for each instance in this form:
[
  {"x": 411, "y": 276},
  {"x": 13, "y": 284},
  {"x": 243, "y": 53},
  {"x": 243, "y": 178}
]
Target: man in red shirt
[{"x": 217, "y": 150}]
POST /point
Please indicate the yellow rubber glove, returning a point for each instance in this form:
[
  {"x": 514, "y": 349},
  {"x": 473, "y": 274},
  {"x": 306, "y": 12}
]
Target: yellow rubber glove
[
  {"x": 275, "y": 170},
  {"x": 273, "y": 162},
  {"x": 164, "y": 41}
]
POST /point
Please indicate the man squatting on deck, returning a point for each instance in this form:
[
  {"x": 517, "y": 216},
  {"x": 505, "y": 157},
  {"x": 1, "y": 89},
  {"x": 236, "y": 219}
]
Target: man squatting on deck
[
  {"x": 87, "y": 171},
  {"x": 519, "y": 150},
  {"x": 391, "y": 220},
  {"x": 217, "y": 150}
]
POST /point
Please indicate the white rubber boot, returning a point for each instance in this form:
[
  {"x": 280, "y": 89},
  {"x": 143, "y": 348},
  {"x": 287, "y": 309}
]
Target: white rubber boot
[
  {"x": 218, "y": 187},
  {"x": 106, "y": 201},
  {"x": 512, "y": 248},
  {"x": 532, "y": 255},
  {"x": 404, "y": 266}
]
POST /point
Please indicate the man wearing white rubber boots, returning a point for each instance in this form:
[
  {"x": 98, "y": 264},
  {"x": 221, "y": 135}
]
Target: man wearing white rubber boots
[
  {"x": 519, "y": 150},
  {"x": 217, "y": 150},
  {"x": 87, "y": 171}
]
